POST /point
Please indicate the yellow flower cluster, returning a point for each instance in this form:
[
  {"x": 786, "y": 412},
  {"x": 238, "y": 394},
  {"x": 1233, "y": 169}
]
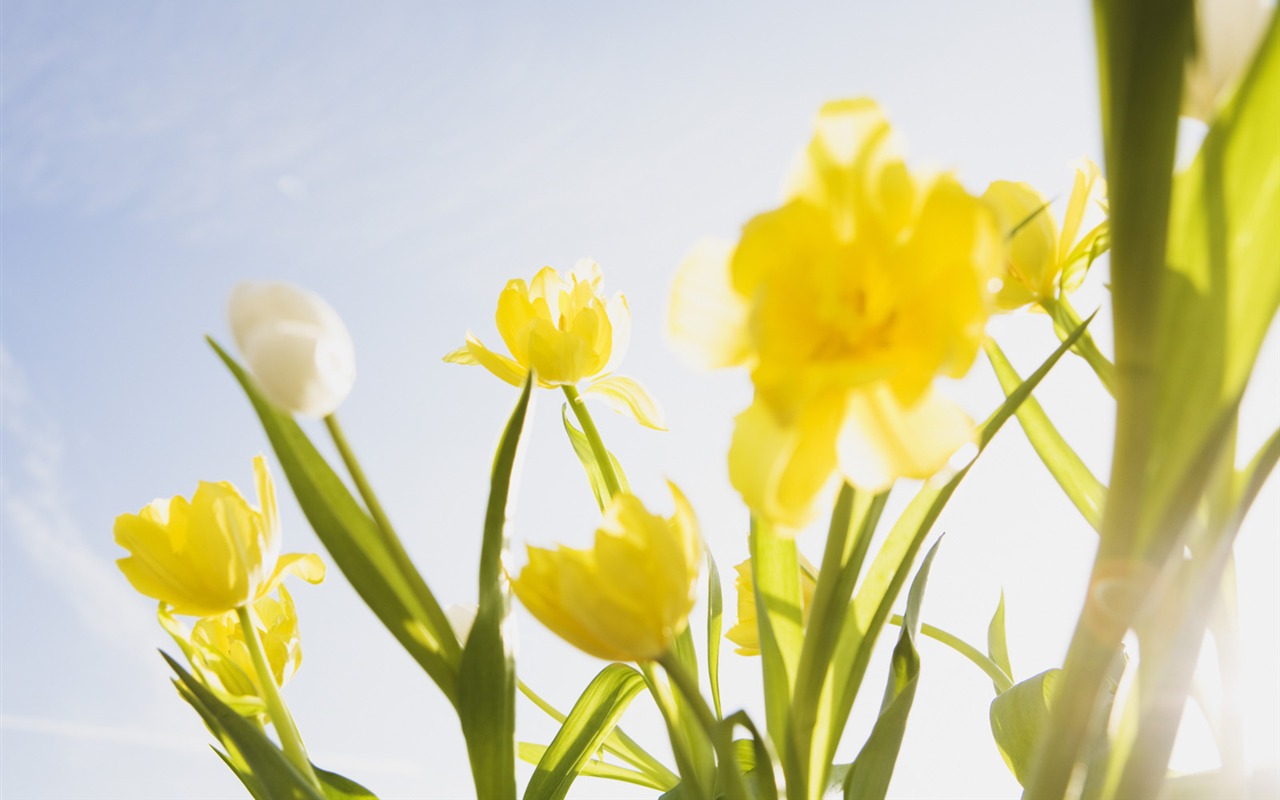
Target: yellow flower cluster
[
  {"x": 627, "y": 598},
  {"x": 217, "y": 651},
  {"x": 207, "y": 557},
  {"x": 845, "y": 303}
]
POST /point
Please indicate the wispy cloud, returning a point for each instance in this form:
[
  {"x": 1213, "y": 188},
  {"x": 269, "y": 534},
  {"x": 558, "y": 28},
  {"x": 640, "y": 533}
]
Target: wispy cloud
[{"x": 38, "y": 522}]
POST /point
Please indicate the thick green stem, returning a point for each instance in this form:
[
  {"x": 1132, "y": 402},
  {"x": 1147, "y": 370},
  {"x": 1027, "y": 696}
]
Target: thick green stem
[
  {"x": 281, "y": 719},
  {"x": 592, "y": 433},
  {"x": 734, "y": 787},
  {"x": 430, "y": 606}
]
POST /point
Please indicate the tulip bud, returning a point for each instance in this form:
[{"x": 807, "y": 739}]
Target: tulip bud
[
  {"x": 295, "y": 344},
  {"x": 1227, "y": 36}
]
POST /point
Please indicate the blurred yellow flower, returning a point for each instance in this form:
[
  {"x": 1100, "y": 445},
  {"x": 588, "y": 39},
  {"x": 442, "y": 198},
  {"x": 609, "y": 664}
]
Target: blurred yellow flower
[
  {"x": 567, "y": 332},
  {"x": 1042, "y": 261},
  {"x": 212, "y": 554},
  {"x": 845, "y": 303},
  {"x": 219, "y": 656},
  {"x": 627, "y": 598},
  {"x": 746, "y": 632}
]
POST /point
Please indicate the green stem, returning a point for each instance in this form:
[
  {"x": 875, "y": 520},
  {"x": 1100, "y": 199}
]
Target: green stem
[
  {"x": 281, "y": 719},
  {"x": 690, "y": 785},
  {"x": 1002, "y": 681},
  {"x": 1066, "y": 320},
  {"x": 626, "y": 748},
  {"x": 734, "y": 787},
  {"x": 593, "y": 438},
  {"x": 395, "y": 549}
]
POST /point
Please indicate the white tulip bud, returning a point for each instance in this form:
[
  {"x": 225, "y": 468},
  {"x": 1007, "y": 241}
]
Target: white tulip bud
[
  {"x": 1227, "y": 36},
  {"x": 295, "y": 344}
]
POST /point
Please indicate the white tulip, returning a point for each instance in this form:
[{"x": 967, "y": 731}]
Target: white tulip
[
  {"x": 1227, "y": 35},
  {"x": 295, "y": 344}
]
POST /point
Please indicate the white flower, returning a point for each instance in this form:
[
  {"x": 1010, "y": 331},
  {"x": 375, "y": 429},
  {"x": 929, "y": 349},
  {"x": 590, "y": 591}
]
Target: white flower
[
  {"x": 295, "y": 344},
  {"x": 1227, "y": 36}
]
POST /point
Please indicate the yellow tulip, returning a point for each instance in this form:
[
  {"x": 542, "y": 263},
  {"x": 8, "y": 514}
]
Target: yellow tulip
[
  {"x": 212, "y": 554},
  {"x": 627, "y": 598},
  {"x": 1042, "y": 261},
  {"x": 845, "y": 303},
  {"x": 566, "y": 331},
  {"x": 219, "y": 656},
  {"x": 746, "y": 632}
]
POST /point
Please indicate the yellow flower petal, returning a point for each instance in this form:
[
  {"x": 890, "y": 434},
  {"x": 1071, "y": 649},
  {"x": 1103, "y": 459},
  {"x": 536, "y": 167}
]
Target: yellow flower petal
[
  {"x": 782, "y": 470},
  {"x": 498, "y": 364},
  {"x": 627, "y": 397},
  {"x": 882, "y": 440},
  {"x": 707, "y": 319},
  {"x": 746, "y": 632},
  {"x": 210, "y": 555},
  {"x": 628, "y": 597}
]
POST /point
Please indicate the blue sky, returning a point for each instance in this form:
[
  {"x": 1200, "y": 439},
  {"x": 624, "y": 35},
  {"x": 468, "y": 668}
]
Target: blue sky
[{"x": 405, "y": 160}]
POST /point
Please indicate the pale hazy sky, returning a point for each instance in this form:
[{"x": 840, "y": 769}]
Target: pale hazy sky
[{"x": 405, "y": 160}]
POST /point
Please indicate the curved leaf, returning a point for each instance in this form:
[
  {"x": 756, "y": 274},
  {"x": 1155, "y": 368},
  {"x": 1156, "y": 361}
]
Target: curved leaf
[
  {"x": 584, "y": 730},
  {"x": 487, "y": 675}
]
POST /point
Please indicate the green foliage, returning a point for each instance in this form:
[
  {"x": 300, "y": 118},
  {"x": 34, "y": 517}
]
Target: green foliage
[
  {"x": 869, "y": 777},
  {"x": 1077, "y": 482},
  {"x": 582, "y": 448},
  {"x": 487, "y": 677},
  {"x": 584, "y": 730},
  {"x": 260, "y": 765},
  {"x": 1019, "y": 717},
  {"x": 391, "y": 587}
]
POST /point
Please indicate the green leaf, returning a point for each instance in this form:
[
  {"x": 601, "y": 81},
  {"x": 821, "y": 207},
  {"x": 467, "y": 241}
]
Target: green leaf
[
  {"x": 888, "y": 572},
  {"x": 754, "y": 757},
  {"x": 398, "y": 596},
  {"x": 715, "y": 615},
  {"x": 582, "y": 447},
  {"x": 1019, "y": 716},
  {"x": 583, "y": 732},
  {"x": 853, "y": 522},
  {"x": 1221, "y": 290},
  {"x": 594, "y": 768},
  {"x": 1077, "y": 482},
  {"x": 997, "y": 645},
  {"x": 337, "y": 787},
  {"x": 276, "y": 778},
  {"x": 776, "y": 572},
  {"x": 487, "y": 676},
  {"x": 873, "y": 768}
]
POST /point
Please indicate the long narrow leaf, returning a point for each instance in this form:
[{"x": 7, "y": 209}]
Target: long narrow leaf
[
  {"x": 1077, "y": 482},
  {"x": 584, "y": 730},
  {"x": 715, "y": 616},
  {"x": 779, "y": 611},
  {"x": 487, "y": 676},
  {"x": 277, "y": 778},
  {"x": 399, "y": 598},
  {"x": 871, "y": 606},
  {"x": 762, "y": 776},
  {"x": 997, "y": 642},
  {"x": 873, "y": 768},
  {"x": 531, "y": 753}
]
